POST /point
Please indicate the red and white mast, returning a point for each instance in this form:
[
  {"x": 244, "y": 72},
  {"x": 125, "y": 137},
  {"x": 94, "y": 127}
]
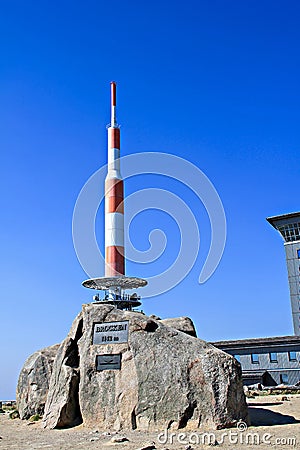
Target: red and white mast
[
  {"x": 114, "y": 196},
  {"x": 115, "y": 283}
]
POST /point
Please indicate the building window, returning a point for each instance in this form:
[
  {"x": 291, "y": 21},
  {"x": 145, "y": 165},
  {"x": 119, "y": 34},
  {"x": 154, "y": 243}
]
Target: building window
[
  {"x": 292, "y": 356},
  {"x": 254, "y": 358},
  {"x": 273, "y": 357},
  {"x": 238, "y": 358},
  {"x": 284, "y": 379},
  {"x": 290, "y": 232}
]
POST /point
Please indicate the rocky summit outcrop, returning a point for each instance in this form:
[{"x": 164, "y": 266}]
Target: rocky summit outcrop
[
  {"x": 34, "y": 380},
  {"x": 123, "y": 370},
  {"x": 62, "y": 406},
  {"x": 184, "y": 324}
]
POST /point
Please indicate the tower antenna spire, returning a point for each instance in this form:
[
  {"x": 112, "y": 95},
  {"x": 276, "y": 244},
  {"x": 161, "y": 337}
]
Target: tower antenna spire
[{"x": 113, "y": 90}]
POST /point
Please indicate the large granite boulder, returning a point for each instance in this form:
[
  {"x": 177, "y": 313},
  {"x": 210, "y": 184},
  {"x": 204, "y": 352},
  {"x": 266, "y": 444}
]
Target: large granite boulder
[
  {"x": 62, "y": 406},
  {"x": 184, "y": 324},
  {"x": 33, "y": 383},
  {"x": 166, "y": 377}
]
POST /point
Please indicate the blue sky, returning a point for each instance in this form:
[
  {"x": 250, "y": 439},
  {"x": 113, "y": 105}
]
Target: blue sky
[{"x": 214, "y": 82}]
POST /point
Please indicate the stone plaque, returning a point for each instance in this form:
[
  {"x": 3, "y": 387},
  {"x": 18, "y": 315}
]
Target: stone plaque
[
  {"x": 111, "y": 332},
  {"x": 108, "y": 362}
]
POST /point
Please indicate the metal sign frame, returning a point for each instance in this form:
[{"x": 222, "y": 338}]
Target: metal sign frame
[
  {"x": 108, "y": 362},
  {"x": 111, "y": 332}
]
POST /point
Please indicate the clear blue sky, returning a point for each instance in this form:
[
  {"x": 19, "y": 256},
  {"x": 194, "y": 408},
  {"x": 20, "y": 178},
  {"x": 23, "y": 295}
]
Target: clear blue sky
[{"x": 214, "y": 82}]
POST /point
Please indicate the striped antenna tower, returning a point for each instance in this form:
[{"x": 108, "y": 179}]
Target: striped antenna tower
[
  {"x": 114, "y": 197},
  {"x": 115, "y": 283}
]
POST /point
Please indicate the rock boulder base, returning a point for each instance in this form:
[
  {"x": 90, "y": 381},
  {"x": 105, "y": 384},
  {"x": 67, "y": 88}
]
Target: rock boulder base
[
  {"x": 34, "y": 380},
  {"x": 167, "y": 378}
]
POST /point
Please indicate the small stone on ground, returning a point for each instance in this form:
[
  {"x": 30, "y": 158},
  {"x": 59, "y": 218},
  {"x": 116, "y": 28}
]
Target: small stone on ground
[
  {"x": 118, "y": 439},
  {"x": 148, "y": 446}
]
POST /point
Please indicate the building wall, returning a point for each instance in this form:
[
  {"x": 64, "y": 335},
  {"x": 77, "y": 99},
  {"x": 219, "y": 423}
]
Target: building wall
[
  {"x": 292, "y": 251},
  {"x": 281, "y": 371},
  {"x": 273, "y": 378}
]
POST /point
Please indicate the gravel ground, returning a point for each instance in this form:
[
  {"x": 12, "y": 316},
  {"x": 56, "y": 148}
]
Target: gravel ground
[{"x": 276, "y": 425}]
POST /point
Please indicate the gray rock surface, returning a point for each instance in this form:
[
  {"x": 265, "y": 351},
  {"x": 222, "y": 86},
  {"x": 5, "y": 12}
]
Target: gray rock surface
[
  {"x": 184, "y": 324},
  {"x": 33, "y": 383},
  {"x": 62, "y": 407},
  {"x": 167, "y": 378}
]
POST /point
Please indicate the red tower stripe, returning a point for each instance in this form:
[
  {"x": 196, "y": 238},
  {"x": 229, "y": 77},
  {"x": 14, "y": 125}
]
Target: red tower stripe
[
  {"x": 114, "y": 188},
  {"x": 115, "y": 204},
  {"x": 114, "y": 195},
  {"x": 114, "y": 137},
  {"x": 112, "y": 251},
  {"x": 115, "y": 262}
]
